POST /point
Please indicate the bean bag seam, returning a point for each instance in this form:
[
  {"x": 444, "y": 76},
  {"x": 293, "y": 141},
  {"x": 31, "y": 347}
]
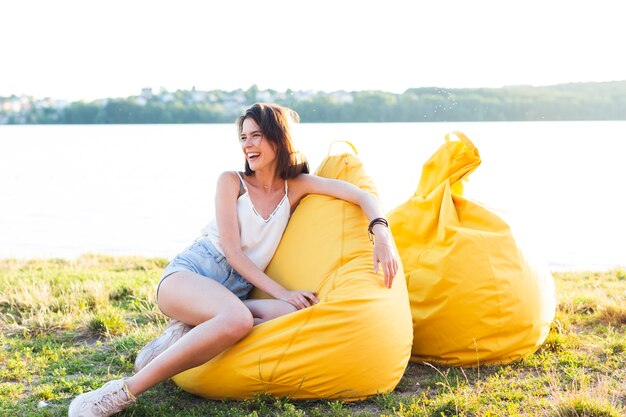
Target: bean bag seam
[{"x": 288, "y": 345}]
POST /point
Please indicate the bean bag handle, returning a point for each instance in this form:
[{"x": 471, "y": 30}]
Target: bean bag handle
[
  {"x": 462, "y": 137},
  {"x": 452, "y": 163},
  {"x": 342, "y": 141}
]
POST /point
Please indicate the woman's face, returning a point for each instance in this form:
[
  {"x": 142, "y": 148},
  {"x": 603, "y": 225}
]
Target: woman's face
[{"x": 258, "y": 150}]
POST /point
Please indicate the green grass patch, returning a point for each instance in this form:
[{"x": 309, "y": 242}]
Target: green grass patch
[{"x": 68, "y": 326}]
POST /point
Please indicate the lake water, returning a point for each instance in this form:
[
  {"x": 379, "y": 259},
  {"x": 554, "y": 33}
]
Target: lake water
[{"x": 149, "y": 189}]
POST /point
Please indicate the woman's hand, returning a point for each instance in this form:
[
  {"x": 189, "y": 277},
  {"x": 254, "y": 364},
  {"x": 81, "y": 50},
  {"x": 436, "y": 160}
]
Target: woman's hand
[
  {"x": 299, "y": 298},
  {"x": 384, "y": 254}
]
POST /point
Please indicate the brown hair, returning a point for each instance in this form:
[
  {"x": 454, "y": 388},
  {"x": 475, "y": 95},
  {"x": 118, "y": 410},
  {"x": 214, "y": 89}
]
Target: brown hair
[{"x": 274, "y": 120}]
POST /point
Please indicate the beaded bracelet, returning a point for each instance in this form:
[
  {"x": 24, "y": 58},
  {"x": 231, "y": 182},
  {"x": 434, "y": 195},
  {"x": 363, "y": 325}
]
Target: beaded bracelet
[{"x": 377, "y": 220}]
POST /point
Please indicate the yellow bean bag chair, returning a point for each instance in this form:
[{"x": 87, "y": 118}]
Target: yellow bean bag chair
[
  {"x": 356, "y": 342},
  {"x": 474, "y": 296}
]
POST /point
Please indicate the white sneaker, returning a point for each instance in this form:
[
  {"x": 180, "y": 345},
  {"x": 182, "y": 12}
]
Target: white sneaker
[
  {"x": 112, "y": 398},
  {"x": 174, "y": 331}
]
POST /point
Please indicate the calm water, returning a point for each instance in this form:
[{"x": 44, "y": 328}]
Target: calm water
[{"x": 148, "y": 189}]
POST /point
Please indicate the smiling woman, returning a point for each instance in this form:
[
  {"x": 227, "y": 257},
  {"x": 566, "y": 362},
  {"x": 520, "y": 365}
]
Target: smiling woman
[
  {"x": 333, "y": 349},
  {"x": 204, "y": 289}
]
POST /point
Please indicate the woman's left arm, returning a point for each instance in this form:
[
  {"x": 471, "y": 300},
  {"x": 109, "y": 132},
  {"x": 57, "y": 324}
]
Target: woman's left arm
[{"x": 384, "y": 253}]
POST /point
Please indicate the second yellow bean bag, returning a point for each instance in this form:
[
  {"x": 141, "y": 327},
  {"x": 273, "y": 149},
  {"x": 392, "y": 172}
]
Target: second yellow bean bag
[{"x": 475, "y": 297}]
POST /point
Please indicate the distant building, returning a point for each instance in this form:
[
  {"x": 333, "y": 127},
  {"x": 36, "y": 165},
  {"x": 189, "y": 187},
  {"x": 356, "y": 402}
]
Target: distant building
[
  {"x": 265, "y": 96},
  {"x": 342, "y": 97},
  {"x": 146, "y": 93},
  {"x": 198, "y": 96}
]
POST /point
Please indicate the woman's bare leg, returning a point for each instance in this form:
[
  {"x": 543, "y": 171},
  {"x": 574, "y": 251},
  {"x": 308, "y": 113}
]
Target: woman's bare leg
[
  {"x": 266, "y": 309},
  {"x": 219, "y": 317}
]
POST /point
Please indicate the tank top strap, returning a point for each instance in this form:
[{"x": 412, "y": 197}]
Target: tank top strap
[
  {"x": 243, "y": 183},
  {"x": 286, "y": 188}
]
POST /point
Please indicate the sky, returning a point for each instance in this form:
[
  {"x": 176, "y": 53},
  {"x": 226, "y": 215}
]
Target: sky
[{"x": 84, "y": 50}]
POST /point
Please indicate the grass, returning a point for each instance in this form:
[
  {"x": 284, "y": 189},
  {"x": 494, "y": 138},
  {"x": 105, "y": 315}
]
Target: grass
[{"x": 68, "y": 326}]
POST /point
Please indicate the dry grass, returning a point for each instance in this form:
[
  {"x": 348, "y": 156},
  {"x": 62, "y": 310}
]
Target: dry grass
[{"x": 67, "y": 326}]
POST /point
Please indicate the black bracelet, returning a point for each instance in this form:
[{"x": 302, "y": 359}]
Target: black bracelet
[{"x": 377, "y": 220}]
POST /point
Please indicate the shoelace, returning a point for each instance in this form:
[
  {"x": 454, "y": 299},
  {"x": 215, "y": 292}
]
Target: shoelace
[{"x": 111, "y": 401}]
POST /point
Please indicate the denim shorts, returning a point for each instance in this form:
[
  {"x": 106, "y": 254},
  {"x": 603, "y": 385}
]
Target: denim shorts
[{"x": 204, "y": 259}]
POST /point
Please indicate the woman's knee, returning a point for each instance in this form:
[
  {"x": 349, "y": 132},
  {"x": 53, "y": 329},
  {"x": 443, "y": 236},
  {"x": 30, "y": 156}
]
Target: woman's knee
[
  {"x": 194, "y": 299},
  {"x": 240, "y": 321}
]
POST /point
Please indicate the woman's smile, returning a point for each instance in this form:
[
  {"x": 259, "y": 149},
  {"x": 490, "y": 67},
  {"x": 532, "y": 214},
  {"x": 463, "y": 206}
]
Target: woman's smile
[{"x": 251, "y": 155}]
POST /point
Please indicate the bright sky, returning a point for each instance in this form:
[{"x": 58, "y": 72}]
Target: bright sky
[{"x": 95, "y": 49}]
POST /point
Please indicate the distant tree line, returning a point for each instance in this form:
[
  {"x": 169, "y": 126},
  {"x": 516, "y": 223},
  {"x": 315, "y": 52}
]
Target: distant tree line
[
  {"x": 575, "y": 101},
  {"x": 580, "y": 101},
  {"x": 122, "y": 111}
]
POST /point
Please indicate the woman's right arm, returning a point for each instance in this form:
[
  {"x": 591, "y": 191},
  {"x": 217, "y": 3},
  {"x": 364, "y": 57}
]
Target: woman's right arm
[{"x": 228, "y": 225}]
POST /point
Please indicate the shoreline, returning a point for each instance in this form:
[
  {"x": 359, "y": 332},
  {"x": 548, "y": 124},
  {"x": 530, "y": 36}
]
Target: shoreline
[{"x": 551, "y": 267}]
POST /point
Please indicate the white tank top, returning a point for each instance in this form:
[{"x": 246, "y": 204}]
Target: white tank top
[{"x": 259, "y": 236}]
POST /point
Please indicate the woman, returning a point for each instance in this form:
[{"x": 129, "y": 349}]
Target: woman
[{"x": 204, "y": 289}]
